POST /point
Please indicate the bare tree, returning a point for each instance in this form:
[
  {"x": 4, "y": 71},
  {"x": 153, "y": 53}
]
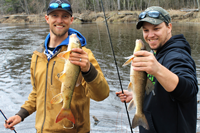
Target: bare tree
[
  {"x": 128, "y": 5},
  {"x": 149, "y": 3},
  {"x": 118, "y": 3},
  {"x": 124, "y": 5},
  {"x": 79, "y": 6},
  {"x": 26, "y": 7},
  {"x": 1, "y": 6},
  {"x": 44, "y": 6}
]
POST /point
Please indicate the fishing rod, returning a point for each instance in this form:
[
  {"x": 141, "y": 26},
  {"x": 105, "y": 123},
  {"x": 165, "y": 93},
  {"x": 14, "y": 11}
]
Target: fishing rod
[
  {"x": 6, "y": 119},
  {"x": 116, "y": 64}
]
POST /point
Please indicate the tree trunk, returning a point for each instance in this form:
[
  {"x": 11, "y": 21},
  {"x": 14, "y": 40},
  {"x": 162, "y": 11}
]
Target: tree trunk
[
  {"x": 98, "y": 6},
  {"x": 26, "y": 7},
  {"x": 149, "y": 3},
  {"x": 124, "y": 4},
  {"x": 2, "y": 7},
  {"x": 118, "y": 3},
  {"x": 128, "y": 1},
  {"x": 136, "y": 4},
  {"x": 44, "y": 7}
]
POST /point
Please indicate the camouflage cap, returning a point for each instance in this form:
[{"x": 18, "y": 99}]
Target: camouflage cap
[{"x": 155, "y": 21}]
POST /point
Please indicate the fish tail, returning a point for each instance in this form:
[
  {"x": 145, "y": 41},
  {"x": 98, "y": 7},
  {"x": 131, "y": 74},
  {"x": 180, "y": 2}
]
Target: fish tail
[
  {"x": 140, "y": 121},
  {"x": 65, "y": 113}
]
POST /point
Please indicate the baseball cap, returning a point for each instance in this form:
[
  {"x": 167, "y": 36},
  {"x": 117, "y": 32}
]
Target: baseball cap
[
  {"x": 154, "y": 15},
  {"x": 63, "y": 5}
]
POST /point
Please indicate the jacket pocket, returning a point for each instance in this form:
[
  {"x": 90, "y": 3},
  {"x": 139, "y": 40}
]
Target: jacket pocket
[
  {"x": 52, "y": 72},
  {"x": 150, "y": 122}
]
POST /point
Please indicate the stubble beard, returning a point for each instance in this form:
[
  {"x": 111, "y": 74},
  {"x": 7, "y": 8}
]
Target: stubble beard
[
  {"x": 159, "y": 46},
  {"x": 61, "y": 34}
]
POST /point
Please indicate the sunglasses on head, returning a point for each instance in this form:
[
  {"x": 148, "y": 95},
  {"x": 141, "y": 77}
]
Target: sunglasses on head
[
  {"x": 152, "y": 14},
  {"x": 62, "y": 5}
]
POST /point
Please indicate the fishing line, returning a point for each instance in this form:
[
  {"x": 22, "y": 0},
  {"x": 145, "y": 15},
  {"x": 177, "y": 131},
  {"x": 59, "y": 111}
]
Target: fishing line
[
  {"x": 116, "y": 64},
  {"x": 6, "y": 119}
]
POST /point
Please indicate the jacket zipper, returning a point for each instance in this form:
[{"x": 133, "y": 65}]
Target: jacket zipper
[{"x": 45, "y": 99}]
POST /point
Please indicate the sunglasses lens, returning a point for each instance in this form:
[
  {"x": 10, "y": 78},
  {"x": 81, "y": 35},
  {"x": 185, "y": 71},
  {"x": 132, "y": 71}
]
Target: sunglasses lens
[
  {"x": 65, "y": 6},
  {"x": 142, "y": 15},
  {"x": 53, "y": 5},
  {"x": 154, "y": 14}
]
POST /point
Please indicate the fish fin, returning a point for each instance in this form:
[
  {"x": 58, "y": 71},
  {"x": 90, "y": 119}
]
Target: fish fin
[
  {"x": 129, "y": 60},
  {"x": 65, "y": 113},
  {"x": 149, "y": 86},
  {"x": 131, "y": 105},
  {"x": 61, "y": 77},
  {"x": 57, "y": 99},
  {"x": 129, "y": 57},
  {"x": 79, "y": 80},
  {"x": 140, "y": 121},
  {"x": 130, "y": 86},
  {"x": 64, "y": 55}
]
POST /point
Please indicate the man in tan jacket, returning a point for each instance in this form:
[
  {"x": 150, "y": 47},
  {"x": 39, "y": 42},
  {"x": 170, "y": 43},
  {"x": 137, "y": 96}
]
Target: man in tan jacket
[{"x": 45, "y": 65}]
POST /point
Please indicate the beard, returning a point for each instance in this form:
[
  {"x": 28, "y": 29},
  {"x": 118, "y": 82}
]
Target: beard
[
  {"x": 157, "y": 48},
  {"x": 59, "y": 34}
]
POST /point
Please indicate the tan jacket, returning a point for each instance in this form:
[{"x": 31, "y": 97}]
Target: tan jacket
[{"x": 46, "y": 86}]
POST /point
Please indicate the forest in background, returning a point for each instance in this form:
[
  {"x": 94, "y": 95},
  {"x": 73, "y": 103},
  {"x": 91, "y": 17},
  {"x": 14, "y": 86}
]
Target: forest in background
[{"x": 8, "y": 7}]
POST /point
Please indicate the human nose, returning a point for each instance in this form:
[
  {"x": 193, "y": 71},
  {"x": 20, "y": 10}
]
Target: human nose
[
  {"x": 59, "y": 19},
  {"x": 151, "y": 34}
]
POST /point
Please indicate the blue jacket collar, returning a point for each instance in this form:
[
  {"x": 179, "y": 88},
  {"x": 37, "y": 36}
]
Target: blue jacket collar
[{"x": 65, "y": 42}]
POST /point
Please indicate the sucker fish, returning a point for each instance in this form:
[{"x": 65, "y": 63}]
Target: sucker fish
[{"x": 139, "y": 84}]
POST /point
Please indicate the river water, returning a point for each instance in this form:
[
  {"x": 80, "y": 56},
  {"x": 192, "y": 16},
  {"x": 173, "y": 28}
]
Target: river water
[{"x": 19, "y": 41}]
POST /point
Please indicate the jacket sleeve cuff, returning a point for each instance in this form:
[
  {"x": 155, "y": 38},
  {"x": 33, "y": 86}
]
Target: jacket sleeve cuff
[
  {"x": 23, "y": 113},
  {"x": 91, "y": 74},
  {"x": 179, "y": 91}
]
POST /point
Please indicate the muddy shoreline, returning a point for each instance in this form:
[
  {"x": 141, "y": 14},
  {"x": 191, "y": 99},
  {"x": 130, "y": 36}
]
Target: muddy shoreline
[{"x": 112, "y": 17}]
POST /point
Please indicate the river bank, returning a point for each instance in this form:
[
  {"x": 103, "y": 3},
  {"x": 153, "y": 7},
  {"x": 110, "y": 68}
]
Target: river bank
[{"x": 186, "y": 15}]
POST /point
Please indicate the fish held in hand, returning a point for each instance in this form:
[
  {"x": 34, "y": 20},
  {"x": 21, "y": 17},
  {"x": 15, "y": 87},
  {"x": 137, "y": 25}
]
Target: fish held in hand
[
  {"x": 139, "y": 84},
  {"x": 70, "y": 77}
]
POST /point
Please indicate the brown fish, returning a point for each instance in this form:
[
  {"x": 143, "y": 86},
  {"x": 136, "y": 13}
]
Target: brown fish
[
  {"x": 69, "y": 77},
  {"x": 139, "y": 84}
]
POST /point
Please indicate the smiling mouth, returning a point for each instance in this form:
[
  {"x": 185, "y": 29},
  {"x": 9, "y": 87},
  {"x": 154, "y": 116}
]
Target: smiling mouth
[
  {"x": 59, "y": 26},
  {"x": 150, "y": 40}
]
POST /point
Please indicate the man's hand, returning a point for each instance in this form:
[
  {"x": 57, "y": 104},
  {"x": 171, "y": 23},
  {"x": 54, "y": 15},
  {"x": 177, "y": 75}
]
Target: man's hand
[
  {"x": 127, "y": 96},
  {"x": 12, "y": 121},
  {"x": 145, "y": 61},
  {"x": 80, "y": 58}
]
